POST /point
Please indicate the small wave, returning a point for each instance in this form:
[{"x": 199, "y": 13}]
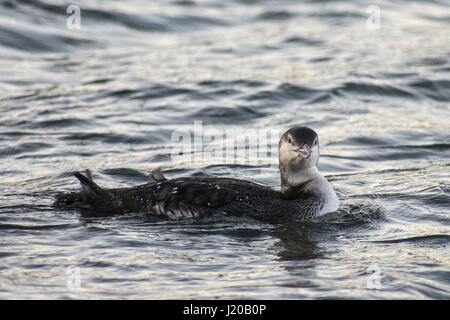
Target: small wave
[
  {"x": 8, "y": 254},
  {"x": 183, "y": 2},
  {"x": 275, "y": 15},
  {"x": 356, "y": 214},
  {"x": 23, "y": 148},
  {"x": 304, "y": 41},
  {"x": 158, "y": 91},
  {"x": 364, "y": 214},
  {"x": 367, "y": 141},
  {"x": 437, "y": 90},
  {"x": 432, "y": 196},
  {"x": 130, "y": 20},
  {"x": 320, "y": 59},
  {"x": 58, "y": 123},
  {"x": 98, "y": 81},
  {"x": 111, "y": 138},
  {"x": 142, "y": 22},
  {"x": 213, "y": 94},
  {"x": 194, "y": 21},
  {"x": 118, "y": 93},
  {"x": 391, "y": 146},
  {"x": 226, "y": 114},
  {"x": 390, "y": 154},
  {"x": 100, "y": 264},
  {"x": 7, "y": 226},
  {"x": 127, "y": 175},
  {"x": 435, "y": 238},
  {"x": 31, "y": 40},
  {"x": 430, "y": 61},
  {"x": 244, "y": 83},
  {"x": 18, "y": 133},
  {"x": 372, "y": 89},
  {"x": 398, "y": 75},
  {"x": 154, "y": 92},
  {"x": 286, "y": 91},
  {"x": 434, "y": 146},
  {"x": 340, "y": 15}
]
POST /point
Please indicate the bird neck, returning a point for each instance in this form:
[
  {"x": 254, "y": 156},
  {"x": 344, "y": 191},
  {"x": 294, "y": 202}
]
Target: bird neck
[
  {"x": 308, "y": 184},
  {"x": 298, "y": 181}
]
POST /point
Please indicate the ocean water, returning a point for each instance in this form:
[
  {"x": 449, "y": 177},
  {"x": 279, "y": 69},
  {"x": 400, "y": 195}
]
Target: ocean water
[{"x": 107, "y": 85}]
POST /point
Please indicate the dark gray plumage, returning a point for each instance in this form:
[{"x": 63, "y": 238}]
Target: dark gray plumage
[
  {"x": 194, "y": 197},
  {"x": 189, "y": 197}
]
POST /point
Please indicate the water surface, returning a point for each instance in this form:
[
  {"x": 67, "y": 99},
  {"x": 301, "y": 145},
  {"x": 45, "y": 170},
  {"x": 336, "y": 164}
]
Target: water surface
[{"x": 109, "y": 96}]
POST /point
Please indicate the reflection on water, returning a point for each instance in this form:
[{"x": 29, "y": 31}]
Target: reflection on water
[{"x": 110, "y": 95}]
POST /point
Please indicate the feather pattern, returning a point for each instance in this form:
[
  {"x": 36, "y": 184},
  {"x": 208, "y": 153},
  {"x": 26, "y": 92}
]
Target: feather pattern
[
  {"x": 304, "y": 193},
  {"x": 192, "y": 197}
]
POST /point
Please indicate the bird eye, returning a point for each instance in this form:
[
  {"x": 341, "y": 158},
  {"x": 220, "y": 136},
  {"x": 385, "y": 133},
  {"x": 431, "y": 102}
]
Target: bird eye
[{"x": 289, "y": 140}]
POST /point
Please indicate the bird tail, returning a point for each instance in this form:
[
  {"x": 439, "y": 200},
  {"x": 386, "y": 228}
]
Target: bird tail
[
  {"x": 90, "y": 191},
  {"x": 98, "y": 201}
]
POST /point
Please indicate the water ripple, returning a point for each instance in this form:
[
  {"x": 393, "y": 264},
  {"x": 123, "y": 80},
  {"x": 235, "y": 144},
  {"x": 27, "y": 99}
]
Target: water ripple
[
  {"x": 434, "y": 239},
  {"x": 372, "y": 89},
  {"x": 31, "y": 40},
  {"x": 109, "y": 96}
]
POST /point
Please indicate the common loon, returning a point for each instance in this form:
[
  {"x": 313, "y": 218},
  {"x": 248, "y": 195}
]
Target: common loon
[{"x": 304, "y": 193}]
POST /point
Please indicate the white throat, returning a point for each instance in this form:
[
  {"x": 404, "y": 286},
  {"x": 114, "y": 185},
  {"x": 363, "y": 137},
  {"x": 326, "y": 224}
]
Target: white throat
[
  {"x": 300, "y": 177},
  {"x": 317, "y": 184}
]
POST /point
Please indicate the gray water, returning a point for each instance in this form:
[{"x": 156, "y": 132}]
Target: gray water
[{"x": 109, "y": 96}]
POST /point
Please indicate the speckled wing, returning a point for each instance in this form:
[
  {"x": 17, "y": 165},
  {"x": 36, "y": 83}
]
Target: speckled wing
[
  {"x": 196, "y": 196},
  {"x": 191, "y": 197}
]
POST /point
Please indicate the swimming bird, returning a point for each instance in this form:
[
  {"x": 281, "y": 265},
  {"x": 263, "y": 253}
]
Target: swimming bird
[{"x": 304, "y": 192}]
